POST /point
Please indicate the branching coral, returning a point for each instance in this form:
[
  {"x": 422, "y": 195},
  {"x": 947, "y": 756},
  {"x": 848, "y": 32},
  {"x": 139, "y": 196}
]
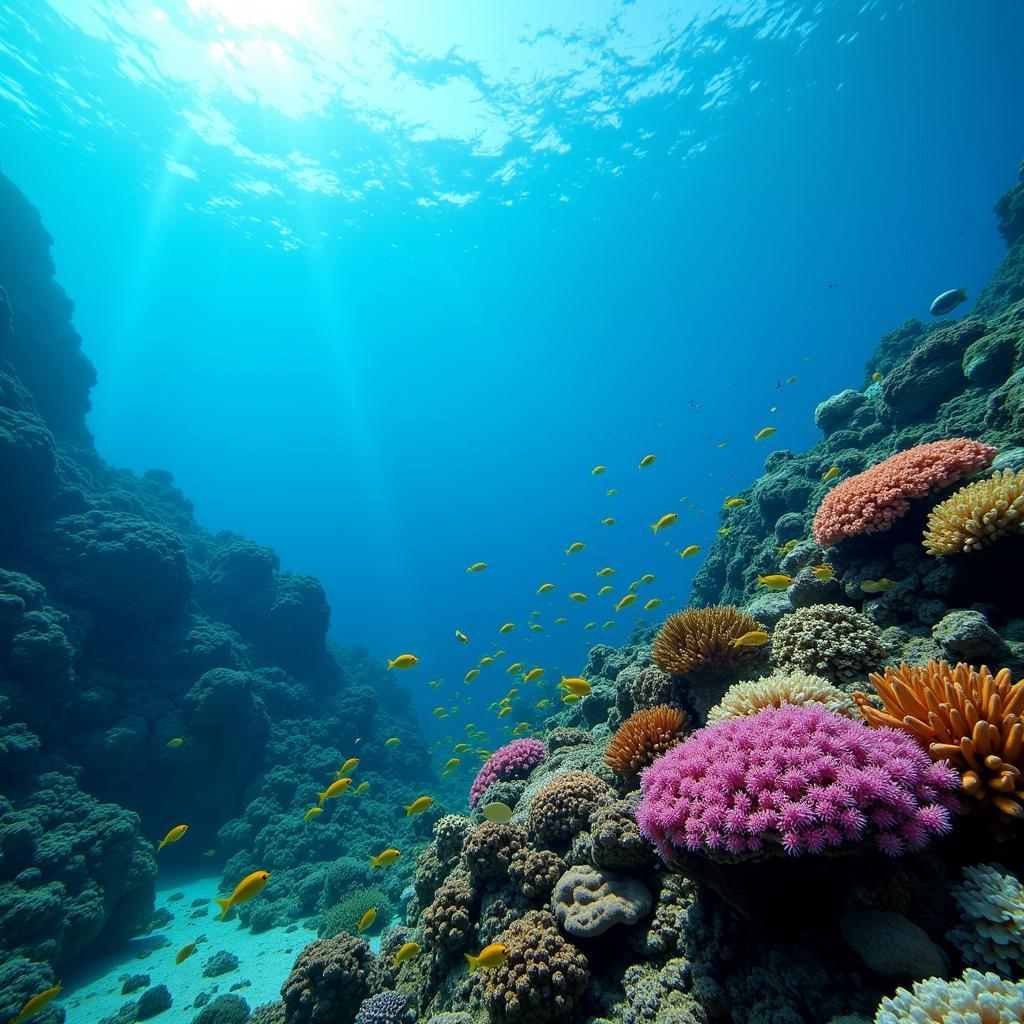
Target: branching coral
[
  {"x": 794, "y": 687},
  {"x": 974, "y": 998},
  {"x": 794, "y": 779},
  {"x": 976, "y": 515},
  {"x": 644, "y": 737},
  {"x": 515, "y": 760},
  {"x": 872, "y": 501},
  {"x": 828, "y": 640},
  {"x": 700, "y": 638},
  {"x": 965, "y": 716},
  {"x": 563, "y": 807},
  {"x": 991, "y": 928}
]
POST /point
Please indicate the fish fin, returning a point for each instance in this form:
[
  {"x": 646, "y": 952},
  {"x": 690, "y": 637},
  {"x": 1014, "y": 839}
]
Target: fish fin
[
  {"x": 655, "y": 527},
  {"x": 161, "y": 846},
  {"x": 323, "y": 797},
  {"x": 408, "y": 809},
  {"x": 374, "y": 863},
  {"x": 225, "y": 906},
  {"x": 474, "y": 962}
]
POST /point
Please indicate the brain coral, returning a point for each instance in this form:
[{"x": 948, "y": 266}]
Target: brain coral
[
  {"x": 794, "y": 687},
  {"x": 937, "y": 705},
  {"x": 329, "y": 981},
  {"x": 489, "y": 848},
  {"x": 827, "y": 640},
  {"x": 991, "y": 928},
  {"x": 978, "y": 514},
  {"x": 872, "y": 501},
  {"x": 644, "y": 737},
  {"x": 701, "y": 638},
  {"x": 515, "y": 760},
  {"x": 563, "y": 807},
  {"x": 543, "y": 978},
  {"x": 588, "y": 901},
  {"x": 974, "y": 998},
  {"x": 794, "y": 779}
]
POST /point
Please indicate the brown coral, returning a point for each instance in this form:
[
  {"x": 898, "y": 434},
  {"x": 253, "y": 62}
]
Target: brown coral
[
  {"x": 977, "y": 514},
  {"x": 643, "y": 737},
  {"x": 448, "y": 921},
  {"x": 535, "y": 872},
  {"x": 329, "y": 980},
  {"x": 489, "y": 848},
  {"x": 543, "y": 978},
  {"x": 963, "y": 715},
  {"x": 563, "y": 807},
  {"x": 700, "y": 638}
]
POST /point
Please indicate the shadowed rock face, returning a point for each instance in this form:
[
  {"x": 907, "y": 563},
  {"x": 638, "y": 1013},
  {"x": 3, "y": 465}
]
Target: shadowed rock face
[{"x": 123, "y": 626}]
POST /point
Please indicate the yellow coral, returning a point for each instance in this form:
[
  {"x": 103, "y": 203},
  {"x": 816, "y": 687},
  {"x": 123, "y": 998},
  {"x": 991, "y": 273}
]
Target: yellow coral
[
  {"x": 978, "y": 514},
  {"x": 702, "y": 638},
  {"x": 794, "y": 687}
]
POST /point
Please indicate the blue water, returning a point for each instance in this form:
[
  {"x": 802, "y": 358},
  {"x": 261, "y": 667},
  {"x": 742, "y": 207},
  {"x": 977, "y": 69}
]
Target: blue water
[{"x": 380, "y": 289}]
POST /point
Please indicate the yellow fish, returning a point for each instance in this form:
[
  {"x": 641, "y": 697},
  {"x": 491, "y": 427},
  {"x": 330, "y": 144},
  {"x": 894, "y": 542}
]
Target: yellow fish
[
  {"x": 361, "y": 788},
  {"x": 689, "y": 552},
  {"x": 575, "y": 684},
  {"x": 561, "y": 620},
  {"x": 350, "y": 765},
  {"x": 516, "y": 666},
  {"x": 493, "y": 955},
  {"x": 633, "y": 586},
  {"x": 723, "y": 531},
  {"x": 407, "y": 952},
  {"x": 823, "y": 572},
  {"x": 246, "y": 889},
  {"x": 590, "y": 625},
  {"x": 608, "y": 625},
  {"x": 575, "y": 547},
  {"x": 577, "y": 597},
  {"x": 435, "y": 683},
  {"x": 545, "y": 588},
  {"x": 403, "y": 661},
  {"x": 499, "y": 813},
  {"x": 665, "y": 521},
  {"x": 514, "y": 692},
  {"x": 610, "y": 521},
  {"x": 775, "y": 581},
  {"x": 366, "y": 921},
  {"x": 507, "y": 628},
  {"x": 830, "y": 474},
  {"x": 652, "y": 604},
  {"x": 536, "y": 627},
  {"x": 787, "y": 547},
  {"x": 543, "y": 703},
  {"x": 392, "y": 741},
  {"x": 37, "y": 1003},
  {"x": 877, "y": 586},
  {"x": 570, "y": 698},
  {"x": 461, "y": 637},
  {"x": 384, "y": 859},
  {"x": 500, "y": 654},
  {"x": 648, "y": 578},
  {"x": 625, "y": 601},
  {"x": 453, "y": 762},
  {"x": 647, "y": 460},
  {"x": 734, "y": 503},
  {"x": 439, "y": 713},
  {"x": 173, "y": 836},
  {"x": 605, "y": 590},
  {"x": 184, "y": 953},
  {"x": 763, "y": 433},
  {"x": 175, "y": 742},
  {"x": 606, "y": 571},
  {"x": 335, "y": 789},
  {"x": 876, "y": 376},
  {"x": 477, "y": 567},
  {"x": 534, "y": 615},
  {"x": 312, "y": 813},
  {"x": 597, "y": 471},
  {"x": 486, "y": 660},
  {"x": 471, "y": 675},
  {"x": 755, "y": 638},
  {"x": 418, "y": 806},
  {"x": 612, "y": 491},
  {"x": 504, "y": 711},
  {"x": 461, "y": 748},
  {"x": 534, "y": 673}
]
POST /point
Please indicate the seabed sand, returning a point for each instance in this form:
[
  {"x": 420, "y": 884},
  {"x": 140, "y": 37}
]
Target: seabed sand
[{"x": 264, "y": 960}]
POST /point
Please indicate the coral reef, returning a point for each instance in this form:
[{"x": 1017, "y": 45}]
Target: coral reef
[
  {"x": 742, "y": 700},
  {"x": 990, "y": 934},
  {"x": 564, "y": 806},
  {"x": 489, "y": 849},
  {"x": 643, "y": 738},
  {"x": 976, "y": 515},
  {"x": 382, "y": 1008},
  {"x": 702, "y": 638},
  {"x": 535, "y": 872},
  {"x": 985, "y": 998},
  {"x": 828, "y": 640},
  {"x": 448, "y": 921},
  {"x": 329, "y": 981},
  {"x": 512, "y": 761},
  {"x": 587, "y": 901}
]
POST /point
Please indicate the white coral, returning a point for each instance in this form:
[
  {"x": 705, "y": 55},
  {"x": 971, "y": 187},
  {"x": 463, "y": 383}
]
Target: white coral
[
  {"x": 791, "y": 687},
  {"x": 975, "y": 998},
  {"x": 991, "y": 929}
]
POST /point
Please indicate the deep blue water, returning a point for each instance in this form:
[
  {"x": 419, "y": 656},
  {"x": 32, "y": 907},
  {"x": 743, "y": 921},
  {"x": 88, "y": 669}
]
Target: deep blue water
[{"x": 380, "y": 289}]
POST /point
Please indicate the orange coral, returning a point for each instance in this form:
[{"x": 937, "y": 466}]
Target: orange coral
[
  {"x": 977, "y": 514},
  {"x": 644, "y": 737},
  {"x": 963, "y": 715},
  {"x": 702, "y": 637}
]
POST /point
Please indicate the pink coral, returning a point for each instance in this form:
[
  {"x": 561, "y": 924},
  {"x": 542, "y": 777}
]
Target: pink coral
[
  {"x": 798, "y": 779},
  {"x": 872, "y": 501},
  {"x": 515, "y": 760}
]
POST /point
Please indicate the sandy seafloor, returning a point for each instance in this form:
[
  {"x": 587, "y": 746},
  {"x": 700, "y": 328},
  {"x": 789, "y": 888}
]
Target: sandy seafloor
[{"x": 94, "y": 991}]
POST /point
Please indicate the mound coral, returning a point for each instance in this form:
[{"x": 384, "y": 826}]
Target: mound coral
[
  {"x": 829, "y": 640},
  {"x": 543, "y": 978},
  {"x": 563, "y": 807},
  {"x": 974, "y": 998},
  {"x": 534, "y": 872},
  {"x": 382, "y": 1008},
  {"x": 449, "y": 835},
  {"x": 616, "y": 840},
  {"x": 976, "y": 515},
  {"x": 588, "y": 901},
  {"x": 448, "y": 921},
  {"x": 872, "y": 501},
  {"x": 701, "y": 638},
  {"x": 489, "y": 848},
  {"x": 515, "y": 760},
  {"x": 644, "y": 737},
  {"x": 991, "y": 928},
  {"x": 329, "y": 981},
  {"x": 798, "y": 779},
  {"x": 965, "y": 716},
  {"x": 795, "y": 687}
]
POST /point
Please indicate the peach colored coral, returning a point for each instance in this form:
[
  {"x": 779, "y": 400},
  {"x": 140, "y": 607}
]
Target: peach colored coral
[{"x": 872, "y": 501}]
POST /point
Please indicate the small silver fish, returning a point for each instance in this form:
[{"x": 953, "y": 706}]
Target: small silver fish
[{"x": 948, "y": 301}]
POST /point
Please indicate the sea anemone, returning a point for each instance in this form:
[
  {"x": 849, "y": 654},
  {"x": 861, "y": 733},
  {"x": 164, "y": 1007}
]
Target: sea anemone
[
  {"x": 976, "y": 515},
  {"x": 700, "y": 638},
  {"x": 644, "y": 737}
]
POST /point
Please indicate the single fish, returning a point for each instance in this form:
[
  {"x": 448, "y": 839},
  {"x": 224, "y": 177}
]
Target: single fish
[
  {"x": 775, "y": 581},
  {"x": 575, "y": 684},
  {"x": 787, "y": 547},
  {"x": 734, "y": 503},
  {"x": 471, "y": 675},
  {"x": 507, "y": 628},
  {"x": 485, "y": 661},
  {"x": 209, "y": 853},
  {"x": 536, "y": 627},
  {"x": 174, "y": 743},
  {"x": 609, "y": 521},
  {"x": 545, "y": 588},
  {"x": 561, "y": 620},
  {"x": 606, "y": 589},
  {"x": 575, "y": 547},
  {"x": 533, "y": 674},
  {"x": 384, "y": 859},
  {"x": 334, "y": 790},
  {"x": 877, "y": 586},
  {"x": 577, "y": 597},
  {"x": 606, "y": 571},
  {"x": 403, "y": 661},
  {"x": 665, "y": 521},
  {"x": 366, "y": 921},
  {"x": 419, "y": 805},
  {"x": 570, "y": 698},
  {"x": 312, "y": 813},
  {"x": 823, "y": 572},
  {"x": 652, "y": 604},
  {"x": 597, "y": 471},
  {"x": 461, "y": 637},
  {"x": 361, "y": 788},
  {"x": 690, "y": 551},
  {"x": 755, "y": 638},
  {"x": 477, "y": 567},
  {"x": 625, "y": 601},
  {"x": 246, "y": 889},
  {"x": 612, "y": 491},
  {"x": 516, "y": 666},
  {"x": 543, "y": 703},
  {"x": 185, "y": 952},
  {"x": 504, "y": 711},
  {"x": 452, "y": 762},
  {"x": 763, "y": 433},
  {"x": 648, "y": 578},
  {"x": 948, "y": 301},
  {"x": 830, "y": 474},
  {"x": 172, "y": 837},
  {"x": 647, "y": 460},
  {"x": 37, "y": 1003},
  {"x": 876, "y": 376},
  {"x": 407, "y": 952},
  {"x": 350, "y": 765},
  {"x": 499, "y": 813},
  {"x": 608, "y": 625},
  {"x": 490, "y": 956},
  {"x": 722, "y": 531}
]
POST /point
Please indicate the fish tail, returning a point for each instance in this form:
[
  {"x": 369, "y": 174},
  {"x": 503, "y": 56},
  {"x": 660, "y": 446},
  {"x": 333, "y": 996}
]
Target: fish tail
[
  {"x": 374, "y": 863},
  {"x": 225, "y": 906},
  {"x": 408, "y": 809},
  {"x": 323, "y": 797},
  {"x": 655, "y": 527},
  {"x": 391, "y": 664},
  {"x": 163, "y": 843},
  {"x": 474, "y": 962}
]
